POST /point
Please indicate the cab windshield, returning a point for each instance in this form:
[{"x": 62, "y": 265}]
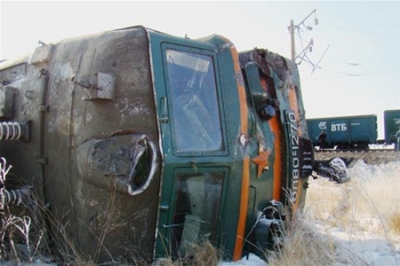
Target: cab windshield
[{"x": 195, "y": 113}]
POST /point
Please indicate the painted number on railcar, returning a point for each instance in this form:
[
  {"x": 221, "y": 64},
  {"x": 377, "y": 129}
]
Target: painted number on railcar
[{"x": 294, "y": 154}]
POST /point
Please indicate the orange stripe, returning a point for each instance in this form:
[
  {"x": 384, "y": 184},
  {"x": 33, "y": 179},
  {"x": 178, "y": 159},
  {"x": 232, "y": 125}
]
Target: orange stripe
[
  {"x": 237, "y": 254},
  {"x": 244, "y": 125},
  {"x": 274, "y": 125},
  {"x": 240, "y": 231},
  {"x": 244, "y": 112},
  {"x": 294, "y": 107}
]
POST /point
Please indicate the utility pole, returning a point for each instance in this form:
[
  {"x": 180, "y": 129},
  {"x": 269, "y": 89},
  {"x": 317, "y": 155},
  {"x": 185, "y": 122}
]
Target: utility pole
[
  {"x": 292, "y": 42},
  {"x": 292, "y": 28}
]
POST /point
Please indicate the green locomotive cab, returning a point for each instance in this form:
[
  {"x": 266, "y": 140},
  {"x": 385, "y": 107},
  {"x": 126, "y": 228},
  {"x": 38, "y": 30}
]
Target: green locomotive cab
[{"x": 142, "y": 142}]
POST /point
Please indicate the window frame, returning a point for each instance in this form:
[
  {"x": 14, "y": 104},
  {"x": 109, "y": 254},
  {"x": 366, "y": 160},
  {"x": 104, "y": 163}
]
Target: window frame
[{"x": 219, "y": 100}]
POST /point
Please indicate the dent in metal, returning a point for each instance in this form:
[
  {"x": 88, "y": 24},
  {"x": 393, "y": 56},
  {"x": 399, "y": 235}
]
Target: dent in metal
[{"x": 127, "y": 162}]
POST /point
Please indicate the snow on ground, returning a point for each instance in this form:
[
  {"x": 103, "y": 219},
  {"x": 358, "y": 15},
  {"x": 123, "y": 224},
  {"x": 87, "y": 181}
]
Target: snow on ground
[
  {"x": 365, "y": 240},
  {"x": 251, "y": 260},
  {"x": 373, "y": 249},
  {"x": 368, "y": 238}
]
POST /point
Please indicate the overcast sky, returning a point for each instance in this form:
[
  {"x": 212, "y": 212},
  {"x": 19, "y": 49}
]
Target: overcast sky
[{"x": 353, "y": 69}]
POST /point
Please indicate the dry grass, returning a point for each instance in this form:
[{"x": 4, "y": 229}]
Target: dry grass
[
  {"x": 368, "y": 204},
  {"x": 203, "y": 254},
  {"x": 304, "y": 245},
  {"x": 394, "y": 222},
  {"x": 14, "y": 228},
  {"x": 339, "y": 220}
]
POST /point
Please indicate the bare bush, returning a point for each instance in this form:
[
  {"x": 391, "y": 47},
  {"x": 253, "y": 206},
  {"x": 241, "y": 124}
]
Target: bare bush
[{"x": 19, "y": 239}]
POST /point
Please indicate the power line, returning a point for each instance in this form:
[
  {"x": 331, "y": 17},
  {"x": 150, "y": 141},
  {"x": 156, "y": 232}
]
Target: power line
[
  {"x": 365, "y": 43},
  {"x": 362, "y": 26},
  {"x": 356, "y": 64},
  {"x": 353, "y": 75},
  {"x": 298, "y": 31},
  {"x": 369, "y": 33},
  {"x": 326, "y": 50}
]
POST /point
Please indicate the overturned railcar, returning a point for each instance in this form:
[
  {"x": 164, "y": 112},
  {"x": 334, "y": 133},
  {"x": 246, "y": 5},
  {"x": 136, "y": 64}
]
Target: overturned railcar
[{"x": 141, "y": 142}]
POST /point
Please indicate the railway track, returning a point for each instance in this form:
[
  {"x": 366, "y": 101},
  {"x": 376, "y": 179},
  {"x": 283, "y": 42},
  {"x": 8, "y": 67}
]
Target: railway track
[
  {"x": 371, "y": 156},
  {"x": 357, "y": 151}
]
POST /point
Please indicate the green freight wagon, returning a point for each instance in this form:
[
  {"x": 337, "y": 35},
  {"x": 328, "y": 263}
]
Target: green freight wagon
[
  {"x": 392, "y": 125},
  {"x": 346, "y": 132}
]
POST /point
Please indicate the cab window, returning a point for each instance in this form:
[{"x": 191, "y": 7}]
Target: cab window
[
  {"x": 197, "y": 207},
  {"x": 196, "y": 123}
]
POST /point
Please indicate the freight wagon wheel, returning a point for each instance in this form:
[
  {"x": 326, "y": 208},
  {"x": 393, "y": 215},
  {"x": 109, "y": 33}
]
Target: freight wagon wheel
[{"x": 139, "y": 180}]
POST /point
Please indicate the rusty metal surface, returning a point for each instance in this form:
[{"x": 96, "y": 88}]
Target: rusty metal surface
[{"x": 117, "y": 101}]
